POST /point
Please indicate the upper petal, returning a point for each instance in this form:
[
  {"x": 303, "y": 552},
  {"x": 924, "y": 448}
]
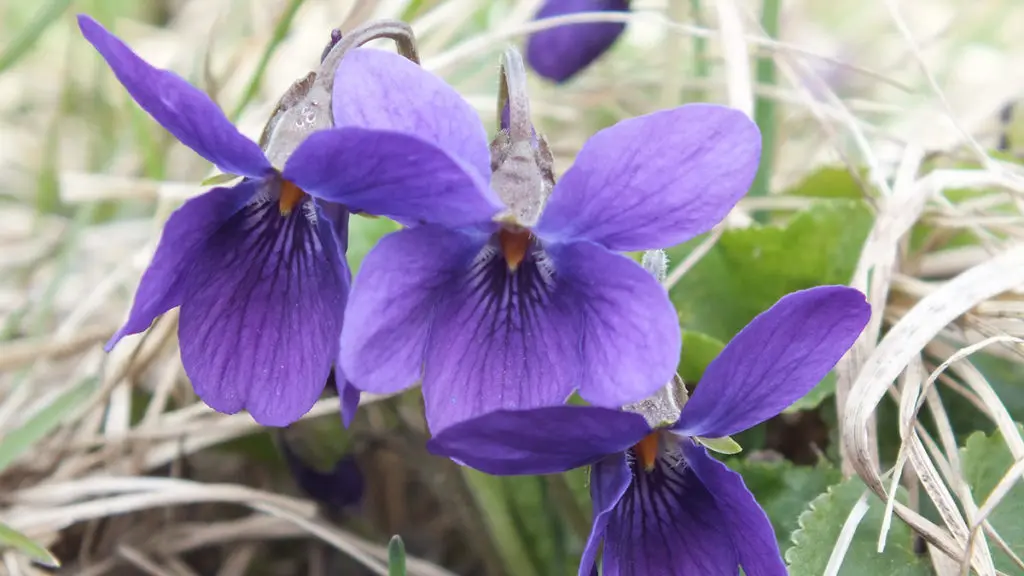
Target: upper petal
[
  {"x": 746, "y": 521},
  {"x": 656, "y": 180},
  {"x": 609, "y": 480},
  {"x": 775, "y": 360},
  {"x": 629, "y": 337},
  {"x": 183, "y": 237},
  {"x": 391, "y": 174},
  {"x": 182, "y": 109},
  {"x": 262, "y": 314},
  {"x": 392, "y": 304},
  {"x": 668, "y": 523},
  {"x": 559, "y": 53},
  {"x": 384, "y": 90},
  {"x": 539, "y": 441}
]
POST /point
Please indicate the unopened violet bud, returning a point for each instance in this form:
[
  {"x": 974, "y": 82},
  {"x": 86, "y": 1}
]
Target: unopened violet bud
[
  {"x": 324, "y": 471},
  {"x": 559, "y": 53},
  {"x": 339, "y": 488}
]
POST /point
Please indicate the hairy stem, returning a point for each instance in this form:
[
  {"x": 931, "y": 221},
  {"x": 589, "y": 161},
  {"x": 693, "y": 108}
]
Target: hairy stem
[
  {"x": 513, "y": 94},
  {"x": 396, "y": 30}
]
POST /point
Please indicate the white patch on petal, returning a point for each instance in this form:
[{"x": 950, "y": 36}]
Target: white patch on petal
[
  {"x": 544, "y": 266},
  {"x": 484, "y": 256},
  {"x": 309, "y": 211},
  {"x": 265, "y": 194}
]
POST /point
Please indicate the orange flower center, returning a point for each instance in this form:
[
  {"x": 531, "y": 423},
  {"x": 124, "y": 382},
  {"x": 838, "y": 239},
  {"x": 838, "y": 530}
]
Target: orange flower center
[
  {"x": 514, "y": 245},
  {"x": 291, "y": 195},
  {"x": 646, "y": 451}
]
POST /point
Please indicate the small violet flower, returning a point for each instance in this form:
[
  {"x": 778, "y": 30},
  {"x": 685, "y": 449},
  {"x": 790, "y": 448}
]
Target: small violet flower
[
  {"x": 258, "y": 269},
  {"x": 662, "y": 505},
  {"x": 559, "y": 53},
  {"x": 519, "y": 311}
]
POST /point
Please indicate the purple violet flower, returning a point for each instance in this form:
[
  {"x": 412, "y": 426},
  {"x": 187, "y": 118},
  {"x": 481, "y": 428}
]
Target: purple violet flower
[
  {"x": 258, "y": 269},
  {"x": 517, "y": 312},
  {"x": 559, "y": 53},
  {"x": 338, "y": 488},
  {"x": 662, "y": 505}
]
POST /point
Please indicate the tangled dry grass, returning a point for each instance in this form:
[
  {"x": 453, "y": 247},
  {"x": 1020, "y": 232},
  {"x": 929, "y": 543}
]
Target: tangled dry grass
[{"x": 908, "y": 95}]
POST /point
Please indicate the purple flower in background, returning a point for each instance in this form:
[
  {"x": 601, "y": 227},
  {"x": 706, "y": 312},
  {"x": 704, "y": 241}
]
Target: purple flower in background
[
  {"x": 520, "y": 311},
  {"x": 559, "y": 53},
  {"x": 662, "y": 505},
  {"x": 337, "y": 488},
  {"x": 258, "y": 269}
]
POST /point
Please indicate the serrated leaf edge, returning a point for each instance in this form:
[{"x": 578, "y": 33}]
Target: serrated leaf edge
[{"x": 812, "y": 507}]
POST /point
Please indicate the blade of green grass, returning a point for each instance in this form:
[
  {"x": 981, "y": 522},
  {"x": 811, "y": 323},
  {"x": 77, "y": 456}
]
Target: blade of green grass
[
  {"x": 11, "y": 538},
  {"x": 396, "y": 556},
  {"x": 701, "y": 70},
  {"x": 489, "y": 493},
  {"x": 28, "y": 36},
  {"x": 764, "y": 108},
  {"x": 284, "y": 24},
  {"x": 20, "y": 440}
]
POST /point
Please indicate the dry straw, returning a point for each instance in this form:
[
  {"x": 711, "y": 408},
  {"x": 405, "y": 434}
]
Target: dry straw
[{"x": 871, "y": 96}]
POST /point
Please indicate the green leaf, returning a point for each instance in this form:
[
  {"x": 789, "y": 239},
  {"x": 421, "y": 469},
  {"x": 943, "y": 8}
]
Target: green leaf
[
  {"x": 21, "y": 439},
  {"x": 828, "y": 182},
  {"x": 724, "y": 445},
  {"x": 986, "y": 459},
  {"x": 396, "y": 556},
  {"x": 218, "y": 179},
  {"x": 698, "y": 351},
  {"x": 11, "y": 538},
  {"x": 1007, "y": 379},
  {"x": 523, "y": 521},
  {"x": 784, "y": 489},
  {"x": 822, "y": 391},
  {"x": 749, "y": 269},
  {"x": 363, "y": 234},
  {"x": 821, "y": 524}
]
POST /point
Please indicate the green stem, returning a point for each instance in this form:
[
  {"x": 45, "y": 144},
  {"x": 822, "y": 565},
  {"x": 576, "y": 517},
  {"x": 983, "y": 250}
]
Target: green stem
[{"x": 764, "y": 109}]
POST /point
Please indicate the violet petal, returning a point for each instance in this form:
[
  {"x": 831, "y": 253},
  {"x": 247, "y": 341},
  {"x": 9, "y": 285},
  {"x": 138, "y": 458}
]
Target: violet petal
[
  {"x": 629, "y": 336},
  {"x": 774, "y": 360},
  {"x": 386, "y": 91},
  {"x": 656, "y": 180},
  {"x": 559, "y": 53},
  {"x": 183, "y": 237},
  {"x": 739, "y": 512},
  {"x": 540, "y": 440},
  {"x": 262, "y": 314},
  {"x": 391, "y": 174},
  {"x": 668, "y": 523},
  {"x": 182, "y": 109},
  {"x": 609, "y": 480},
  {"x": 392, "y": 304}
]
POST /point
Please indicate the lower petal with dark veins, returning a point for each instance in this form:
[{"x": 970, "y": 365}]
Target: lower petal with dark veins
[{"x": 262, "y": 313}]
